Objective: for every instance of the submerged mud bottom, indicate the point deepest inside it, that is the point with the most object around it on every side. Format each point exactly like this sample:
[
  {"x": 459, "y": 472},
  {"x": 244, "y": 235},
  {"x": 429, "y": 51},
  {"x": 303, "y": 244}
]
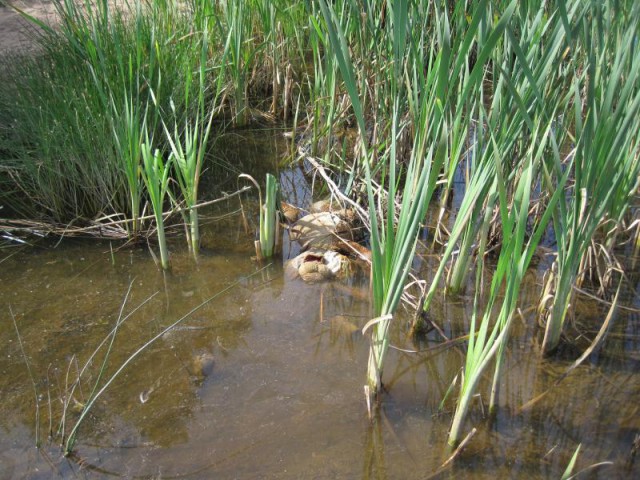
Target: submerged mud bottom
[
  {"x": 282, "y": 394},
  {"x": 266, "y": 380}
]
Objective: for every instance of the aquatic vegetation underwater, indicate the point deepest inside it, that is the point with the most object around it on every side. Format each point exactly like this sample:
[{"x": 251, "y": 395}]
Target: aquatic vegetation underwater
[{"x": 489, "y": 130}]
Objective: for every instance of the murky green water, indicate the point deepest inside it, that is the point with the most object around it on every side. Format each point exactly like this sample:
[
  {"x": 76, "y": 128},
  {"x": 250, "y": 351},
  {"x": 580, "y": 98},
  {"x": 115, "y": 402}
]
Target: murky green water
[{"x": 266, "y": 380}]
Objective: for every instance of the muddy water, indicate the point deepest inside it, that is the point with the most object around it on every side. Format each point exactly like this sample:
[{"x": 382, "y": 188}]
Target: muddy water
[{"x": 265, "y": 379}]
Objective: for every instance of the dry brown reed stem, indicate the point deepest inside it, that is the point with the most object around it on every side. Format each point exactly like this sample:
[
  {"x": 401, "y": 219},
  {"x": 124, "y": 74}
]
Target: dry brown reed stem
[
  {"x": 108, "y": 229},
  {"x": 460, "y": 448},
  {"x": 335, "y": 190},
  {"x": 453, "y": 456},
  {"x": 603, "y": 301}
]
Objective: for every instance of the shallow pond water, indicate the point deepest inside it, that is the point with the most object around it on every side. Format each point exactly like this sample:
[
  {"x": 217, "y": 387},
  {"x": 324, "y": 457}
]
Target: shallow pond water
[{"x": 265, "y": 380}]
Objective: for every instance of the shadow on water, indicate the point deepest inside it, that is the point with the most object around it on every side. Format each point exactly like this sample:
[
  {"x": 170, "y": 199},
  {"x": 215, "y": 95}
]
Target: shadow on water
[{"x": 266, "y": 381}]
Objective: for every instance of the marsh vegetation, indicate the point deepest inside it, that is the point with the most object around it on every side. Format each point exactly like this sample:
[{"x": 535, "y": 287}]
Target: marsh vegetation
[{"x": 479, "y": 143}]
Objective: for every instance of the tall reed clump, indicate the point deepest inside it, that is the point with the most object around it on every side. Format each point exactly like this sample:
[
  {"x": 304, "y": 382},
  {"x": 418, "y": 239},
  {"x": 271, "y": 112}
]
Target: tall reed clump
[
  {"x": 516, "y": 136},
  {"x": 189, "y": 143},
  {"x": 77, "y": 153},
  {"x": 418, "y": 100},
  {"x": 282, "y": 45},
  {"x": 156, "y": 180},
  {"x": 393, "y": 240},
  {"x": 128, "y": 125},
  {"x": 425, "y": 81},
  {"x": 323, "y": 105},
  {"x": 237, "y": 26},
  {"x": 512, "y": 264},
  {"x": 108, "y": 67},
  {"x": 502, "y": 126},
  {"x": 266, "y": 42},
  {"x": 538, "y": 95},
  {"x": 605, "y": 155},
  {"x": 519, "y": 242}
]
